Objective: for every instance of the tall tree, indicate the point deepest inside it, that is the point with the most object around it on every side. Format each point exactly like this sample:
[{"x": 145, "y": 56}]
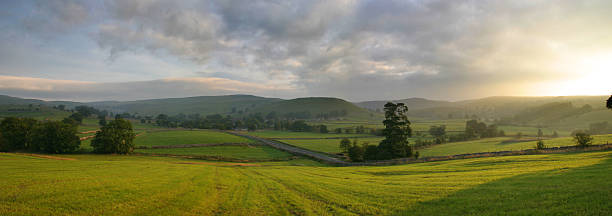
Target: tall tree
[
  {"x": 609, "y": 102},
  {"x": 116, "y": 136},
  {"x": 396, "y": 132}
]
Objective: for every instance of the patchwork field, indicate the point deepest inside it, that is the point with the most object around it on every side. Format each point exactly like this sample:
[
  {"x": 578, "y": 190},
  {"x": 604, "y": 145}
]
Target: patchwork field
[
  {"x": 501, "y": 144},
  {"x": 183, "y": 137},
  {"x": 555, "y": 184},
  {"x": 256, "y": 153},
  {"x": 288, "y": 134},
  {"x": 328, "y": 145}
]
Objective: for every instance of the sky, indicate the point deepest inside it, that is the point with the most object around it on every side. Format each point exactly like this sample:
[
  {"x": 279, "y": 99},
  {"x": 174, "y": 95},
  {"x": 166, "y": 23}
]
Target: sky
[{"x": 355, "y": 50}]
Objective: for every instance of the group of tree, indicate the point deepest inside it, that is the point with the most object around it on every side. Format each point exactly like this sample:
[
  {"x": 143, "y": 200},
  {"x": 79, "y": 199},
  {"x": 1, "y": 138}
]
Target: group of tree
[
  {"x": 116, "y": 137},
  {"x": 395, "y": 144},
  {"x": 26, "y": 134}
]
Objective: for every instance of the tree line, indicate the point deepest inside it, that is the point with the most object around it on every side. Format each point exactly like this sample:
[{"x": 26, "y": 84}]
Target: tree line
[{"x": 57, "y": 137}]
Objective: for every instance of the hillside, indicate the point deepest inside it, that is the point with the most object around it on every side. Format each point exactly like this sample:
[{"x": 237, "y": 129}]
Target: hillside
[
  {"x": 315, "y": 106},
  {"x": 204, "y": 105}
]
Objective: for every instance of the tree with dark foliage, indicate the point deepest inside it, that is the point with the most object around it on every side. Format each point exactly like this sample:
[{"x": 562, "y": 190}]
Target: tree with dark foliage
[
  {"x": 396, "y": 132},
  {"x": 583, "y": 139},
  {"x": 16, "y": 133},
  {"x": 609, "y": 102},
  {"x": 55, "y": 137},
  {"x": 116, "y": 136}
]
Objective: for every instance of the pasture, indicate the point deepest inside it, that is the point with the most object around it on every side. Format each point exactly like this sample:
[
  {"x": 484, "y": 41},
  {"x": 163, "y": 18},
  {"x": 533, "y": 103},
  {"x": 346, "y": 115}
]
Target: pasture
[
  {"x": 554, "y": 184},
  {"x": 289, "y": 134},
  {"x": 328, "y": 145},
  {"x": 250, "y": 153},
  {"x": 501, "y": 144},
  {"x": 183, "y": 137}
]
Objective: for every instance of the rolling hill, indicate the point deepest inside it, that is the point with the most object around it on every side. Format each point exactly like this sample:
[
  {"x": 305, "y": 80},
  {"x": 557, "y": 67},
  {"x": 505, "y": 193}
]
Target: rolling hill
[{"x": 207, "y": 105}]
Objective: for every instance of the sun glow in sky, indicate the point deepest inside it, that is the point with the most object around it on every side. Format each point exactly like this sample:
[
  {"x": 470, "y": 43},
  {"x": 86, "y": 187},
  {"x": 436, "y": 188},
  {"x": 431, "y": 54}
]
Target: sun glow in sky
[{"x": 356, "y": 50}]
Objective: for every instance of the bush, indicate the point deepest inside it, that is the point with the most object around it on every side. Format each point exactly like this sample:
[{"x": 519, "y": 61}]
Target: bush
[
  {"x": 583, "y": 139},
  {"x": 116, "y": 136},
  {"x": 540, "y": 145},
  {"x": 370, "y": 152},
  {"x": 345, "y": 145},
  {"x": 356, "y": 153},
  {"x": 55, "y": 137}
]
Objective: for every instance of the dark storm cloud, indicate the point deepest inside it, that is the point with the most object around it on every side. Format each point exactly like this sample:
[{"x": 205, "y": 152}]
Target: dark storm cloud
[{"x": 352, "y": 49}]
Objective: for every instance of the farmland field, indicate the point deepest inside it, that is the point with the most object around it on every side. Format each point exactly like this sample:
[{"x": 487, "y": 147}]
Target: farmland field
[
  {"x": 498, "y": 144},
  {"x": 558, "y": 184},
  {"x": 182, "y": 137},
  {"x": 288, "y": 134},
  {"x": 328, "y": 145},
  {"x": 229, "y": 152}
]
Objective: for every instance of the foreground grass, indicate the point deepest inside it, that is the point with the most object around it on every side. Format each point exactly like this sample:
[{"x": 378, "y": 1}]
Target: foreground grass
[
  {"x": 501, "y": 144},
  {"x": 182, "y": 137},
  {"x": 560, "y": 184},
  {"x": 230, "y": 152}
]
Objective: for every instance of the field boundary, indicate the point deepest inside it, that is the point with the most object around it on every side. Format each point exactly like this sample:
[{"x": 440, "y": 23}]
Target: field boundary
[
  {"x": 318, "y": 138},
  {"x": 197, "y": 145},
  {"x": 553, "y": 150}
]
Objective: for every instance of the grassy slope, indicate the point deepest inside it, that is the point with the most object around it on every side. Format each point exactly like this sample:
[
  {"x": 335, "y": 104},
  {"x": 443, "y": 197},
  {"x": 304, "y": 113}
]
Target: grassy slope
[
  {"x": 495, "y": 144},
  {"x": 560, "y": 184},
  {"x": 315, "y": 105},
  {"x": 164, "y": 138},
  {"x": 234, "y": 152}
]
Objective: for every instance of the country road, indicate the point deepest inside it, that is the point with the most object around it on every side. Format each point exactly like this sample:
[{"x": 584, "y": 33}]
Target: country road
[{"x": 292, "y": 149}]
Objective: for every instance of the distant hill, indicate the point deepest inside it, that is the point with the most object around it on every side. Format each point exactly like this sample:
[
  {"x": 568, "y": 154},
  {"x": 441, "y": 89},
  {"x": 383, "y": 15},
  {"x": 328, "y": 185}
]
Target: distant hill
[
  {"x": 204, "y": 105},
  {"x": 315, "y": 106},
  {"x": 227, "y": 105},
  {"x": 488, "y": 108}
]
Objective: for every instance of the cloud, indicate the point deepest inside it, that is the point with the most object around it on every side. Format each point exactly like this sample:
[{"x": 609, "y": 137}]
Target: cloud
[
  {"x": 170, "y": 87},
  {"x": 355, "y": 49}
]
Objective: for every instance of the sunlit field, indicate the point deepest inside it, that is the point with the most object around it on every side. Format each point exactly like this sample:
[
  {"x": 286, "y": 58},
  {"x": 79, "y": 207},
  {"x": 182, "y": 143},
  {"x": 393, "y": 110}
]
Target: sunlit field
[
  {"x": 184, "y": 137},
  {"x": 502, "y": 144},
  {"x": 250, "y": 153},
  {"x": 128, "y": 185}
]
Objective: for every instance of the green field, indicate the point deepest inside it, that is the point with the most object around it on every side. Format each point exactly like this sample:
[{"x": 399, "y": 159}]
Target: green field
[
  {"x": 497, "y": 144},
  {"x": 226, "y": 152},
  {"x": 182, "y": 137},
  {"x": 289, "y": 134},
  {"x": 554, "y": 184},
  {"x": 328, "y": 145}
]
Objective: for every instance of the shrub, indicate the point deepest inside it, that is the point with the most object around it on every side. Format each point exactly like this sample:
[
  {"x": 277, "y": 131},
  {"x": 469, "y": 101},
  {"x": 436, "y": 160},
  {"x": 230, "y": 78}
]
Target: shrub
[
  {"x": 370, "y": 152},
  {"x": 583, "y": 139},
  {"x": 116, "y": 136},
  {"x": 356, "y": 153},
  {"x": 540, "y": 145},
  {"x": 345, "y": 145}
]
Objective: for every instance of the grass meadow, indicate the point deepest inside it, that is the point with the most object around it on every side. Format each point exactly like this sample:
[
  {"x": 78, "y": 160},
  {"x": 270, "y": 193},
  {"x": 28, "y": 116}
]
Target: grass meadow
[
  {"x": 328, "y": 145},
  {"x": 501, "y": 144},
  {"x": 552, "y": 184},
  {"x": 182, "y": 137},
  {"x": 289, "y": 134},
  {"x": 255, "y": 153}
]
